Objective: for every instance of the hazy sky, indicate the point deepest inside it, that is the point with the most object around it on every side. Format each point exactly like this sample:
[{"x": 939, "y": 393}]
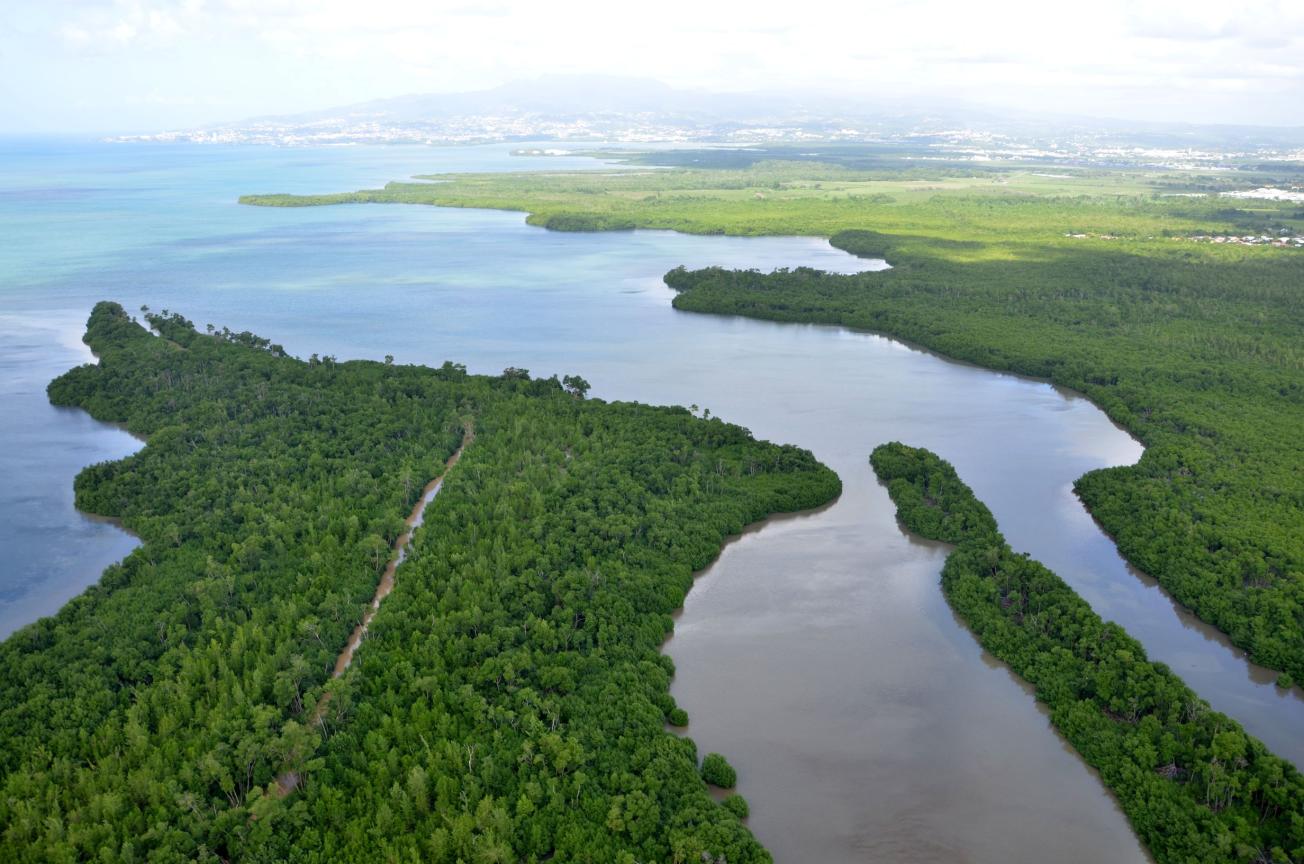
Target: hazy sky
[{"x": 110, "y": 65}]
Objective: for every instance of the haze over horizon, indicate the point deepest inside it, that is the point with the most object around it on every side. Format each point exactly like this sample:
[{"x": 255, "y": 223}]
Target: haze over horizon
[{"x": 102, "y": 66}]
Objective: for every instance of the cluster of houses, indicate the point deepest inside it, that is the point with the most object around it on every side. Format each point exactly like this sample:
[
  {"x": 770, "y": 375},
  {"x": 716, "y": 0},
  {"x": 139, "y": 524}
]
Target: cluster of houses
[
  {"x": 1269, "y": 193},
  {"x": 1284, "y": 241}
]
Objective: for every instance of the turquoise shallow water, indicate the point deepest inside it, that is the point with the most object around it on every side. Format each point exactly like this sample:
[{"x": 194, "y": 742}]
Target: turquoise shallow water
[
  {"x": 83, "y": 221},
  {"x": 818, "y": 652},
  {"x": 159, "y": 225}
]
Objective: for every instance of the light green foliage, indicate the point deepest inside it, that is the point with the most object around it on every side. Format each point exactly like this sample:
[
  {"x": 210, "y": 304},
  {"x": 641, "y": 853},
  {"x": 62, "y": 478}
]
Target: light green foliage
[
  {"x": 1008, "y": 208},
  {"x": 1195, "y": 786}
]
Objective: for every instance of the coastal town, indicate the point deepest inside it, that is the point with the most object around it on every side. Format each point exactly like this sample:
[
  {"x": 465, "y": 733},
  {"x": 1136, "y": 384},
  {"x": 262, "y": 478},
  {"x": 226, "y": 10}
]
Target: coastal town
[{"x": 1281, "y": 241}]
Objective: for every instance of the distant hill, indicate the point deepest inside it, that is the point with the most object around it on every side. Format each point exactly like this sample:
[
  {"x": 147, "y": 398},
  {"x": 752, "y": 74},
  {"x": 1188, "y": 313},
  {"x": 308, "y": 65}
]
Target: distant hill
[
  {"x": 613, "y": 108},
  {"x": 561, "y": 97}
]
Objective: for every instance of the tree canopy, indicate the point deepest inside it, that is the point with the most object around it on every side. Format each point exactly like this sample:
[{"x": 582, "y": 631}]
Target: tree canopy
[{"x": 510, "y": 700}]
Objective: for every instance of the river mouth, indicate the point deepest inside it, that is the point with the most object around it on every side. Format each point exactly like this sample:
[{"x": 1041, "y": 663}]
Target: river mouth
[
  {"x": 818, "y": 653},
  {"x": 864, "y": 720}
]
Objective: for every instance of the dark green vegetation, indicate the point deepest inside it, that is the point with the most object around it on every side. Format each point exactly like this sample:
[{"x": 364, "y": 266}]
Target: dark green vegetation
[
  {"x": 1201, "y": 359},
  {"x": 1195, "y": 787},
  {"x": 1195, "y": 348},
  {"x": 737, "y": 805},
  {"x": 509, "y": 702},
  {"x": 717, "y": 771}
]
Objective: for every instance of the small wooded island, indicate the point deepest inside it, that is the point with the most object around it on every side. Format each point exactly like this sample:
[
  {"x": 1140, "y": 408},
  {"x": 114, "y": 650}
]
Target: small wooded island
[{"x": 510, "y": 702}]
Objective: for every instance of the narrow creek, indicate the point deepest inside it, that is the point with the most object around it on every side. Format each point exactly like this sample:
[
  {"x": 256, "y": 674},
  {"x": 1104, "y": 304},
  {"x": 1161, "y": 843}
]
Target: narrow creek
[
  {"x": 401, "y": 546},
  {"x": 288, "y": 781}
]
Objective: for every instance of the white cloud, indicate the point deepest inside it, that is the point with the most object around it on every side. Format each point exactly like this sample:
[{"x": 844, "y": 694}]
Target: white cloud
[
  {"x": 1110, "y": 57},
  {"x": 124, "y": 24}
]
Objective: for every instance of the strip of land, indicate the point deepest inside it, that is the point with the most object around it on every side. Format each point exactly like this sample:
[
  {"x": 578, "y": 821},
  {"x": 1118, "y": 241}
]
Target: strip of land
[{"x": 1195, "y": 786}]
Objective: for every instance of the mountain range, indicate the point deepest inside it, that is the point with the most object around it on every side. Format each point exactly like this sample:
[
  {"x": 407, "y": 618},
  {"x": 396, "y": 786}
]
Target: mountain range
[{"x": 613, "y": 108}]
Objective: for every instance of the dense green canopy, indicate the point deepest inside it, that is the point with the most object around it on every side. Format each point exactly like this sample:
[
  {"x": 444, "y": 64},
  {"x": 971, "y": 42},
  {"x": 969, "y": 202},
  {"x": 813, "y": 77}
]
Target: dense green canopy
[{"x": 510, "y": 700}]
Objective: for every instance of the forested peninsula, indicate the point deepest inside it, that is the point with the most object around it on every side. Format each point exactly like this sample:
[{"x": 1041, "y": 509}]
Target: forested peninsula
[
  {"x": 1107, "y": 282},
  {"x": 1194, "y": 785},
  {"x": 510, "y": 701}
]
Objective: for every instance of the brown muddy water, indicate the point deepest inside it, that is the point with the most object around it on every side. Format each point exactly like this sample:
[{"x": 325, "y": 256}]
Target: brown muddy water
[{"x": 866, "y": 723}]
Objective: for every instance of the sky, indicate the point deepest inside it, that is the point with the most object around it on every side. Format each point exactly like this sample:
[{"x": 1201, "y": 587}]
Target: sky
[{"x": 149, "y": 65}]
